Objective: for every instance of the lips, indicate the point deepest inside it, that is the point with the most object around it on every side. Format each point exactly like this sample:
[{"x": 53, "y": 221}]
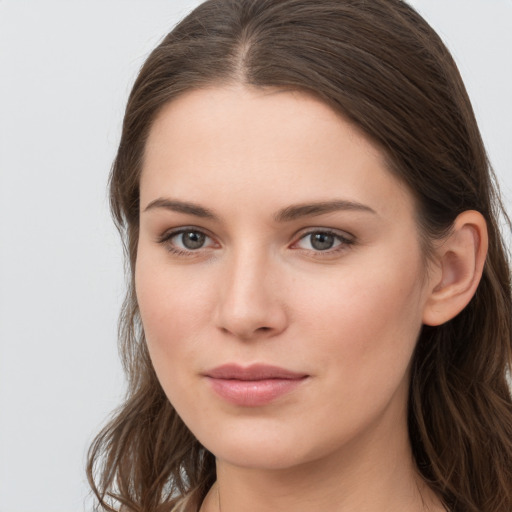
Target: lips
[{"x": 253, "y": 386}]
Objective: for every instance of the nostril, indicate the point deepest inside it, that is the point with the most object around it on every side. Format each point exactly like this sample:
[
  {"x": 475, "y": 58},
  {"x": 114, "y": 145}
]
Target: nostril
[{"x": 245, "y": 320}]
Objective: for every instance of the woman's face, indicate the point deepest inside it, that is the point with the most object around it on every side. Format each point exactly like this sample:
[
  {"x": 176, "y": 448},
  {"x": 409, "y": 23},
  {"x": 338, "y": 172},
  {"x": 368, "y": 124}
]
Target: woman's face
[{"x": 279, "y": 277}]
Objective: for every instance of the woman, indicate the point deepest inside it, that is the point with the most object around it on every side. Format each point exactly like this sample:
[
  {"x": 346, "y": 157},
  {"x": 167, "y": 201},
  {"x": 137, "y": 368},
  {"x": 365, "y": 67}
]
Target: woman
[{"x": 319, "y": 307}]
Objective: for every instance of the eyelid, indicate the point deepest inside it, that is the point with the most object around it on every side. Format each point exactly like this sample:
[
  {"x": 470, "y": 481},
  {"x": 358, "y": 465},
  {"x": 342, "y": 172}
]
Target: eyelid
[
  {"x": 346, "y": 239},
  {"x": 168, "y": 235}
]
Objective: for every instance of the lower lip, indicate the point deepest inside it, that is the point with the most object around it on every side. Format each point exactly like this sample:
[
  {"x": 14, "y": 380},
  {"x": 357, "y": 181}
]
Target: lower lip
[{"x": 253, "y": 393}]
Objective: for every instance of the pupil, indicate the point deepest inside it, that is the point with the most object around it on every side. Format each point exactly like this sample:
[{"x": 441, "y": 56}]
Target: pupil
[
  {"x": 322, "y": 241},
  {"x": 193, "y": 239}
]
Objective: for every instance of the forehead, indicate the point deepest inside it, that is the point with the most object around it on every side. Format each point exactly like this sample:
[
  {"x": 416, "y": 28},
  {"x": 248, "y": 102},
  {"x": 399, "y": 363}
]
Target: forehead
[{"x": 241, "y": 142}]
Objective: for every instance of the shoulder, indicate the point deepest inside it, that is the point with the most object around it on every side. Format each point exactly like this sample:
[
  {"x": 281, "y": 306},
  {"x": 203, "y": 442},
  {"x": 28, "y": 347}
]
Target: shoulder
[{"x": 187, "y": 503}]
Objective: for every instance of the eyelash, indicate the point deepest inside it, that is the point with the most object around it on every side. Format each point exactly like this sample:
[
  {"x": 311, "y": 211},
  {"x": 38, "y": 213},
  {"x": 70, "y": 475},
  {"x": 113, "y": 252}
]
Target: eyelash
[
  {"x": 166, "y": 238},
  {"x": 344, "y": 242}
]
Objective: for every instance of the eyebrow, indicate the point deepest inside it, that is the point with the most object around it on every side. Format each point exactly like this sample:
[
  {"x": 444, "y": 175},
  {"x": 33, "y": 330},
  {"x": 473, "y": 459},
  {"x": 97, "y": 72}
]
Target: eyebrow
[
  {"x": 181, "y": 207},
  {"x": 312, "y": 209},
  {"x": 287, "y": 214}
]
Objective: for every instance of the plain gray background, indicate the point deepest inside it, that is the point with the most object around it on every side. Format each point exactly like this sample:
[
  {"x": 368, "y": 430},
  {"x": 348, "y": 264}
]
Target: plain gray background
[{"x": 66, "y": 68}]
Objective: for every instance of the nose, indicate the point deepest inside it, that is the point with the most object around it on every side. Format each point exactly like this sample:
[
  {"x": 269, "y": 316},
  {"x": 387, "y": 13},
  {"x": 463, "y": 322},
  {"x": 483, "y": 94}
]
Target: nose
[{"x": 250, "y": 303}]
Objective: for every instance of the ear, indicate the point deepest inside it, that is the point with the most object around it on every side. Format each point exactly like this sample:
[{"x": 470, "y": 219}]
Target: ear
[{"x": 459, "y": 259}]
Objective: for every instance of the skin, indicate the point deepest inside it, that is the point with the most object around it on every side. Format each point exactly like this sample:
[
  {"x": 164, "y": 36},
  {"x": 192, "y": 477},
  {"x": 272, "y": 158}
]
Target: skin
[{"x": 258, "y": 291}]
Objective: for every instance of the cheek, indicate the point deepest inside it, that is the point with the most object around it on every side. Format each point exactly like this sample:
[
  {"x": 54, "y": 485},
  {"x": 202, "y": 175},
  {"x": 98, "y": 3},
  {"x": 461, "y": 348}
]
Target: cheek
[
  {"x": 362, "y": 318},
  {"x": 172, "y": 311},
  {"x": 174, "y": 308},
  {"x": 366, "y": 323}
]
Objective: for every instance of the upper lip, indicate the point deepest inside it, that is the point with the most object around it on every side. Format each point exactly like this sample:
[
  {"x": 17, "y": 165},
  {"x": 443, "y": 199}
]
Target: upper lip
[{"x": 252, "y": 372}]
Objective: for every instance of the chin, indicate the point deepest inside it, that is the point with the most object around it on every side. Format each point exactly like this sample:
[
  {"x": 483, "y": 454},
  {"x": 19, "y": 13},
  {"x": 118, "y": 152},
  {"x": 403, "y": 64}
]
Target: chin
[
  {"x": 264, "y": 445},
  {"x": 261, "y": 457},
  {"x": 248, "y": 443}
]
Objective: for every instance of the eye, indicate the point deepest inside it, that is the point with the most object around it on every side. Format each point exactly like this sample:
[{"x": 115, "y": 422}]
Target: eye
[
  {"x": 189, "y": 240},
  {"x": 186, "y": 240},
  {"x": 323, "y": 241}
]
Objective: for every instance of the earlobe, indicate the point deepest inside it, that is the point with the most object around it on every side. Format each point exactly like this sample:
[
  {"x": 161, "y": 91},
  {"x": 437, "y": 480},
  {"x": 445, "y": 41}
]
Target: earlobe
[{"x": 460, "y": 259}]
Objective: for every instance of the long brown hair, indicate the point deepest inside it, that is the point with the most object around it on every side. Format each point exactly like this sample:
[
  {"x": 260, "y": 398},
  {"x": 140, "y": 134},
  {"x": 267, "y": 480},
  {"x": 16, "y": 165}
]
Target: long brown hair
[{"x": 380, "y": 65}]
